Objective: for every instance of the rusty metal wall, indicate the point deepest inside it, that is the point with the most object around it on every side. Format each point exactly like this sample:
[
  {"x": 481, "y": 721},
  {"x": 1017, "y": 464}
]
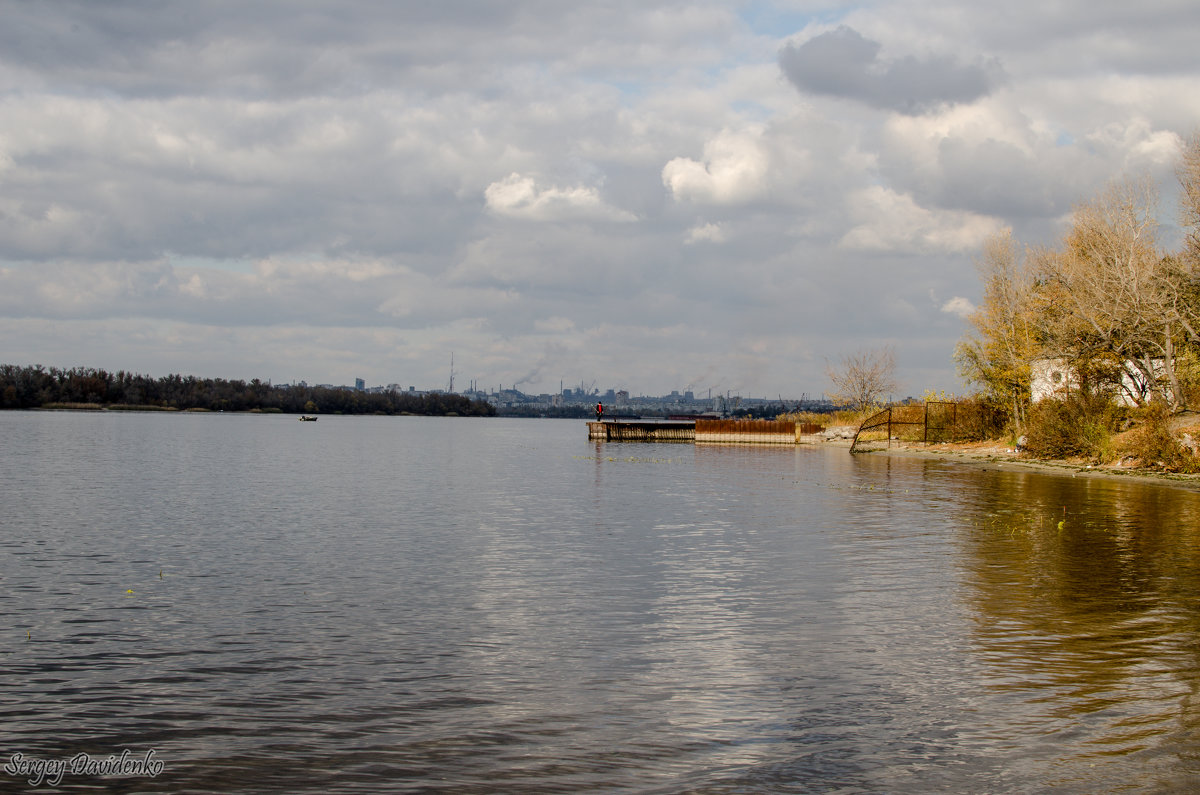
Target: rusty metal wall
[
  {"x": 745, "y": 426},
  {"x": 746, "y": 431}
]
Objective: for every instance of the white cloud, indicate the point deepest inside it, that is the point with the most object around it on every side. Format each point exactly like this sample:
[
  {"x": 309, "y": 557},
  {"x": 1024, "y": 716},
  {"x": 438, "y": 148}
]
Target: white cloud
[
  {"x": 555, "y": 325},
  {"x": 516, "y": 196},
  {"x": 1028, "y": 156},
  {"x": 706, "y": 233},
  {"x": 734, "y": 169},
  {"x": 342, "y": 172},
  {"x": 1143, "y": 146},
  {"x": 959, "y": 306},
  {"x": 887, "y": 221}
]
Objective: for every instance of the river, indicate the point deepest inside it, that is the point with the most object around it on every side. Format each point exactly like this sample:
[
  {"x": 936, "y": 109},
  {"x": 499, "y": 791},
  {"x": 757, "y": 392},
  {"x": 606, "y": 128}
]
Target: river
[{"x": 406, "y": 604}]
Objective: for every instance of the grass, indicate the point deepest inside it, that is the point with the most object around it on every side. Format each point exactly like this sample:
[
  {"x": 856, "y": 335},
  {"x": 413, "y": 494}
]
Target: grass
[{"x": 826, "y": 419}]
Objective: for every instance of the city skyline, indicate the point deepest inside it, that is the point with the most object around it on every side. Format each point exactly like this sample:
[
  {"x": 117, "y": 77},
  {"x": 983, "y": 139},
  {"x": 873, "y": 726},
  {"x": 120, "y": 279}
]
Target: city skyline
[
  {"x": 655, "y": 196},
  {"x": 575, "y": 392}
]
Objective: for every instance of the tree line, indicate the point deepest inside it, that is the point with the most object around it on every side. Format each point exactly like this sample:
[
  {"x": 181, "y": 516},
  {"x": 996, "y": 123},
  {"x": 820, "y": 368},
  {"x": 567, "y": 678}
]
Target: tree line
[
  {"x": 26, "y": 387},
  {"x": 1120, "y": 314}
]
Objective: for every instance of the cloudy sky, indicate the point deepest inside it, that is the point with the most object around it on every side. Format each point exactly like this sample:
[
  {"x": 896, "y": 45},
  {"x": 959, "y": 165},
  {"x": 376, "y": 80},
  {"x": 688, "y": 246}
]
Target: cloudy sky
[{"x": 644, "y": 195}]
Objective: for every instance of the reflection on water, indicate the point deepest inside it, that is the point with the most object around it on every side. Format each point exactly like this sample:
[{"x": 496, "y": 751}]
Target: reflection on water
[
  {"x": 1087, "y": 613},
  {"x": 405, "y": 604}
]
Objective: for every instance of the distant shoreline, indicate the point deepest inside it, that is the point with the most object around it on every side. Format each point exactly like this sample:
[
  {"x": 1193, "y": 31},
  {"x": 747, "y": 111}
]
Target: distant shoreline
[
  {"x": 96, "y": 408},
  {"x": 90, "y": 389}
]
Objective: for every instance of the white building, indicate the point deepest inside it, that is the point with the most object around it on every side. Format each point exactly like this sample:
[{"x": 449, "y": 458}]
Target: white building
[{"x": 1055, "y": 378}]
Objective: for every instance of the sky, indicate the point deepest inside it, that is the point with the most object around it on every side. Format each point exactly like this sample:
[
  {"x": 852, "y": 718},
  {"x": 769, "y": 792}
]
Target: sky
[{"x": 639, "y": 195}]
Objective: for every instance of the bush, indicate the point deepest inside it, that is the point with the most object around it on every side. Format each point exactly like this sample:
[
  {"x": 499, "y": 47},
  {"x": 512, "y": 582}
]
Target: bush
[
  {"x": 979, "y": 418},
  {"x": 825, "y": 419},
  {"x": 908, "y": 423},
  {"x": 1081, "y": 426},
  {"x": 1187, "y": 368},
  {"x": 1154, "y": 444}
]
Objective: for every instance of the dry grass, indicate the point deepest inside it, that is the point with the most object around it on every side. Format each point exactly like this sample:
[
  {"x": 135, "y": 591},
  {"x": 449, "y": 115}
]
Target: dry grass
[
  {"x": 826, "y": 419},
  {"x": 1157, "y": 441}
]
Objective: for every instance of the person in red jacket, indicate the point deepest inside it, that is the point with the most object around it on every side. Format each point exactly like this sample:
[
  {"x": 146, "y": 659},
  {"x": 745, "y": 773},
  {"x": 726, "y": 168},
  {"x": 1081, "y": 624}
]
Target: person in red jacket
[{"x": 599, "y": 412}]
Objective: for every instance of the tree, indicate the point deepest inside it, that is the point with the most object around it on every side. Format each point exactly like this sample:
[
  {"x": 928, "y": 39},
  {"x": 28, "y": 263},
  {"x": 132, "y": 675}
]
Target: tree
[
  {"x": 1120, "y": 311},
  {"x": 1189, "y": 202},
  {"x": 862, "y": 378},
  {"x": 1110, "y": 300},
  {"x": 999, "y": 352}
]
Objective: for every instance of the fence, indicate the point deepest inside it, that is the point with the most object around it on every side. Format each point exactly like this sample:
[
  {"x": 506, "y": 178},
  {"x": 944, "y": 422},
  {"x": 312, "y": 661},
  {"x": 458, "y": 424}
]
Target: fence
[
  {"x": 936, "y": 422},
  {"x": 746, "y": 431}
]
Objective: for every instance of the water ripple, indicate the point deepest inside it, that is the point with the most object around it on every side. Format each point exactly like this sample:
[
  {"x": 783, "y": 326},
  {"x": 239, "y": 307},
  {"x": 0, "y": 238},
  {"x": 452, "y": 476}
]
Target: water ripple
[{"x": 402, "y": 604}]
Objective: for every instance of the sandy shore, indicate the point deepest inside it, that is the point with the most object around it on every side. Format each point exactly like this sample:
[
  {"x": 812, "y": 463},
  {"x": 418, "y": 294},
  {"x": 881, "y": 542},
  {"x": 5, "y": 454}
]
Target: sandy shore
[{"x": 991, "y": 454}]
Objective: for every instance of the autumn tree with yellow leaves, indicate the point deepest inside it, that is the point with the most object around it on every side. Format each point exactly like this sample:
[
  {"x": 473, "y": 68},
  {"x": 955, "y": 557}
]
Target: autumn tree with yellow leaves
[
  {"x": 1107, "y": 300},
  {"x": 1111, "y": 302},
  {"x": 998, "y": 352}
]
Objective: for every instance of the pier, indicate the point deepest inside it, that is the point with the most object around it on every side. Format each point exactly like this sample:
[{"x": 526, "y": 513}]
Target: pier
[
  {"x": 642, "y": 431},
  {"x": 702, "y": 431}
]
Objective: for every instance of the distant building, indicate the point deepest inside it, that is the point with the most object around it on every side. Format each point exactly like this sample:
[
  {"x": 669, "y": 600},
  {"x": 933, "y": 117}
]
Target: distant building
[{"x": 359, "y": 384}]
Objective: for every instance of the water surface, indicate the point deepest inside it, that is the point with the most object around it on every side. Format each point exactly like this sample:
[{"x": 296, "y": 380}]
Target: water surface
[{"x": 372, "y": 604}]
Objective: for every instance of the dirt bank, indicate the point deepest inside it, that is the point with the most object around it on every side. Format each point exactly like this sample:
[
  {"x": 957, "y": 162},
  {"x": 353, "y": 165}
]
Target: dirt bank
[{"x": 993, "y": 453}]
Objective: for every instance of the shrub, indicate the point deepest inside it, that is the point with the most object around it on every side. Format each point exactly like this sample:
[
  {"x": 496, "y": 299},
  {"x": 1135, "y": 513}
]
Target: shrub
[
  {"x": 1154, "y": 444},
  {"x": 908, "y": 423},
  {"x": 979, "y": 418},
  {"x": 1187, "y": 368},
  {"x": 1079, "y": 427}
]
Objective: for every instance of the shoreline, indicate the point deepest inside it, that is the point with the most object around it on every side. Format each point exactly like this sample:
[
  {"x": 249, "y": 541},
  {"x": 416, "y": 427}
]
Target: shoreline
[
  {"x": 979, "y": 454},
  {"x": 986, "y": 455}
]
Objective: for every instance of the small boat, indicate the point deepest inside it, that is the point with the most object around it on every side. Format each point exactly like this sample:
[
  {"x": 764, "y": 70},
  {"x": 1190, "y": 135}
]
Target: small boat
[{"x": 306, "y": 418}]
